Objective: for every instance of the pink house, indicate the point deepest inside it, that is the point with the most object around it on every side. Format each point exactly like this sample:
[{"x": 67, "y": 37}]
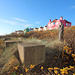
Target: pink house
[{"x": 55, "y": 23}]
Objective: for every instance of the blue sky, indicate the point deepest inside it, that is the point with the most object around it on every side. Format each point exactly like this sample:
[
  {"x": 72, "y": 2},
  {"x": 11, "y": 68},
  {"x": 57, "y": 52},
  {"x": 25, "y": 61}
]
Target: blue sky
[{"x": 19, "y": 14}]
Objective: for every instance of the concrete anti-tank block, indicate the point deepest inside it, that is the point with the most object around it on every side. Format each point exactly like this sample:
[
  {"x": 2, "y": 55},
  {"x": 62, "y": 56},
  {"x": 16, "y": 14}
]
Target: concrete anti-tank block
[{"x": 31, "y": 53}]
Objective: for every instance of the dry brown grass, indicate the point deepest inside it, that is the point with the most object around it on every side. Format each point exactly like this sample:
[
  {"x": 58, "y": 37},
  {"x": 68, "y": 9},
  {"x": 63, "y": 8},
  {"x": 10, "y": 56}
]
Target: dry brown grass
[
  {"x": 7, "y": 54},
  {"x": 51, "y": 35},
  {"x": 49, "y": 39},
  {"x": 69, "y": 36}
]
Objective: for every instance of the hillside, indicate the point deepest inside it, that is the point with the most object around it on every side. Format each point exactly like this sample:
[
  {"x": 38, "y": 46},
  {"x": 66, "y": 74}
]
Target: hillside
[
  {"x": 56, "y": 55},
  {"x": 50, "y": 35}
]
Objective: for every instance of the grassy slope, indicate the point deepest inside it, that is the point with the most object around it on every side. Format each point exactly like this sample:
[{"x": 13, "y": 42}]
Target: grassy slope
[
  {"x": 48, "y": 38},
  {"x": 7, "y": 54},
  {"x": 51, "y": 35}
]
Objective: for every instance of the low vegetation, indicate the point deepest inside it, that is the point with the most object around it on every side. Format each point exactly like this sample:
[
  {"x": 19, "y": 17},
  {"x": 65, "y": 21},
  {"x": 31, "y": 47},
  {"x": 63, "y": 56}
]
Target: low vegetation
[{"x": 60, "y": 56}]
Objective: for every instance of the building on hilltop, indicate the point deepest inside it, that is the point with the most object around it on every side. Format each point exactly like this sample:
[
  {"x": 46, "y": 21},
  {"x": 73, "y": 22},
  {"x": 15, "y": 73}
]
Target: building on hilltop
[
  {"x": 40, "y": 28},
  {"x": 31, "y": 29},
  {"x": 55, "y": 23},
  {"x": 45, "y": 28},
  {"x": 35, "y": 29},
  {"x": 19, "y": 32}
]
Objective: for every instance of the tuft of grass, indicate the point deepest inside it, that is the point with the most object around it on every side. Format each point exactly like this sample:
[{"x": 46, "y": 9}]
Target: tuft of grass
[
  {"x": 12, "y": 62},
  {"x": 35, "y": 40},
  {"x": 54, "y": 48},
  {"x": 56, "y": 44},
  {"x": 7, "y": 54}
]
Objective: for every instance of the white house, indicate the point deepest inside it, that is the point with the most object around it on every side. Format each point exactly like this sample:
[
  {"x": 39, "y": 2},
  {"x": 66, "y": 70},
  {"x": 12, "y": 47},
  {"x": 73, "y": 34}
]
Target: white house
[
  {"x": 35, "y": 29},
  {"x": 44, "y": 28},
  {"x": 40, "y": 28},
  {"x": 19, "y": 31}
]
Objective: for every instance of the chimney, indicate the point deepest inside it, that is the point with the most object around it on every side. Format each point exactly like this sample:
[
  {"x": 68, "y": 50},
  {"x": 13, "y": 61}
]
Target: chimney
[
  {"x": 61, "y": 18},
  {"x": 50, "y": 20}
]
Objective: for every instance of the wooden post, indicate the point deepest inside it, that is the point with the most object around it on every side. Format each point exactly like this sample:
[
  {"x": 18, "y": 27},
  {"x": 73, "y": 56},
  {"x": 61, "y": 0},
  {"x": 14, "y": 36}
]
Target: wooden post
[{"x": 61, "y": 32}]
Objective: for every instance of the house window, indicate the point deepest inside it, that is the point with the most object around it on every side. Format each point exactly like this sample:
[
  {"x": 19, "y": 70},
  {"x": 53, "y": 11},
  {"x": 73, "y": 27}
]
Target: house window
[
  {"x": 48, "y": 24},
  {"x": 53, "y": 23},
  {"x": 66, "y": 23},
  {"x": 69, "y": 24},
  {"x": 56, "y": 23}
]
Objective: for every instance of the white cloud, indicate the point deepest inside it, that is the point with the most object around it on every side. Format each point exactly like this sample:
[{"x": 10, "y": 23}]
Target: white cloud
[
  {"x": 37, "y": 22},
  {"x": 18, "y": 19},
  {"x": 14, "y": 23},
  {"x": 26, "y": 25},
  {"x": 73, "y": 6},
  {"x": 8, "y": 22}
]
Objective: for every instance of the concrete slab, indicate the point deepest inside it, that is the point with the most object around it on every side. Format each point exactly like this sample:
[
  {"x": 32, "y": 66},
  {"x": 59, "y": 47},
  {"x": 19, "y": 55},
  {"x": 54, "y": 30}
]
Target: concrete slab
[
  {"x": 10, "y": 42},
  {"x": 31, "y": 53}
]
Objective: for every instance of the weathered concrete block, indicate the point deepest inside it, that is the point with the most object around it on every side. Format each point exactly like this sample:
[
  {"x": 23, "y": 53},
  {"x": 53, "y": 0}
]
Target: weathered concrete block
[
  {"x": 10, "y": 42},
  {"x": 31, "y": 53}
]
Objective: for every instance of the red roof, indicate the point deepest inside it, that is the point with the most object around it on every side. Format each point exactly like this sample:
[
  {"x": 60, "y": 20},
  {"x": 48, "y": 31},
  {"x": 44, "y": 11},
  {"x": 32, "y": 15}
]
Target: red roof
[
  {"x": 45, "y": 26},
  {"x": 54, "y": 20},
  {"x": 36, "y": 28},
  {"x": 41, "y": 27},
  {"x": 66, "y": 21}
]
